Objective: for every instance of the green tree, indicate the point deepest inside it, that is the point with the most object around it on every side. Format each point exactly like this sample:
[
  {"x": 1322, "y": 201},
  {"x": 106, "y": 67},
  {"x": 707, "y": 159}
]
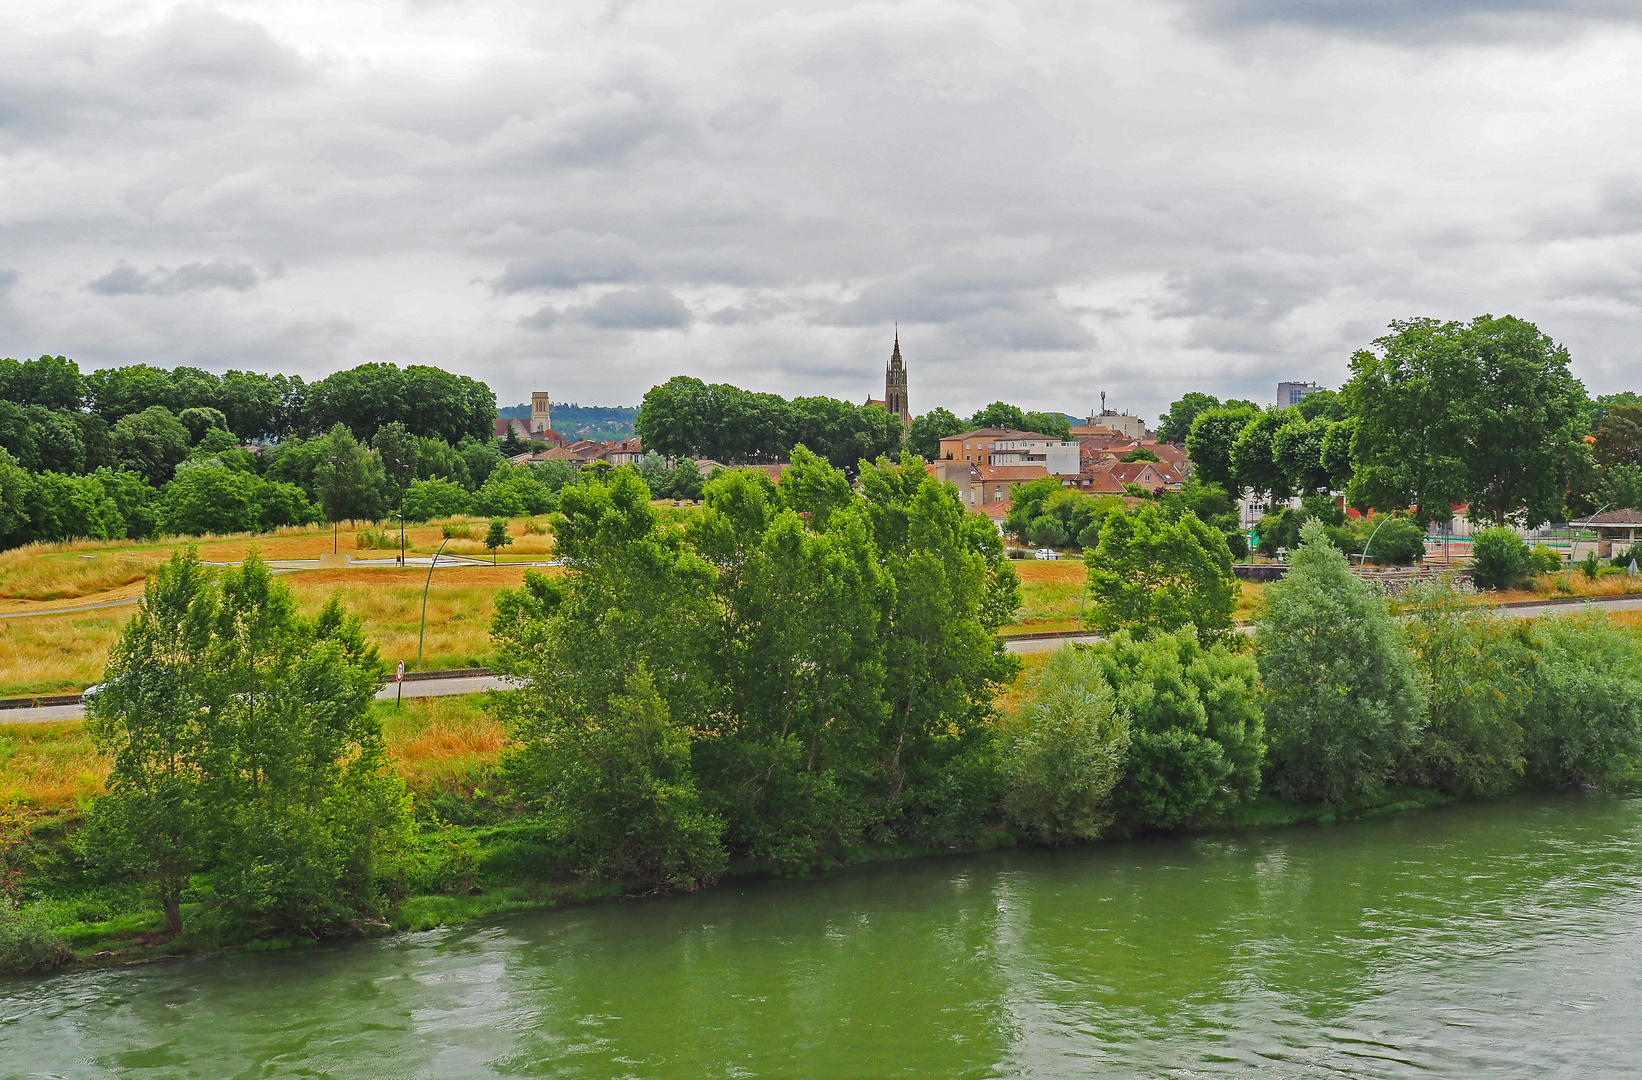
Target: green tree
[
  {"x": 151, "y": 443},
  {"x": 399, "y": 452},
  {"x": 1475, "y": 670},
  {"x": 926, "y": 432},
  {"x": 1000, "y": 414},
  {"x": 305, "y": 807},
  {"x": 149, "y": 718},
  {"x": 1583, "y": 721},
  {"x": 1344, "y": 702},
  {"x": 1499, "y": 559},
  {"x": 599, "y": 746},
  {"x": 15, "y": 488},
  {"x": 114, "y": 393},
  {"x": 1148, "y": 573},
  {"x": 1483, "y": 413},
  {"x": 201, "y": 419},
  {"x": 1298, "y": 455},
  {"x": 52, "y": 382},
  {"x": 347, "y": 478},
  {"x": 1176, "y": 424},
  {"x": 1619, "y": 437},
  {"x": 480, "y": 458},
  {"x": 428, "y": 500},
  {"x": 1254, "y": 459},
  {"x": 1065, "y": 752},
  {"x": 70, "y": 508},
  {"x": 1214, "y": 433},
  {"x": 496, "y": 537},
  {"x": 1197, "y": 739}
]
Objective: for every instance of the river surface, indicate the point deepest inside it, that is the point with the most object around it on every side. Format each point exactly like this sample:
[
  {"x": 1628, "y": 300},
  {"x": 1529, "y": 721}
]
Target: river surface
[{"x": 1496, "y": 939}]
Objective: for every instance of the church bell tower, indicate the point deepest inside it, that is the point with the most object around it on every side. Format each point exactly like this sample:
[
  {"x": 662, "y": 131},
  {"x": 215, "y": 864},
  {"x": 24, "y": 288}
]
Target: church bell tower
[{"x": 895, "y": 384}]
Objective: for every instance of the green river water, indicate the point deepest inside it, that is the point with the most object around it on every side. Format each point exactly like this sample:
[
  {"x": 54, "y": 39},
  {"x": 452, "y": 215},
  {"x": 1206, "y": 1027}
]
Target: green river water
[{"x": 1493, "y": 939}]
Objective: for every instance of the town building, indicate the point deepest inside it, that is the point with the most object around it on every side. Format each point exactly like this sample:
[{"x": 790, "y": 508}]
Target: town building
[
  {"x": 1292, "y": 393},
  {"x": 1006, "y": 446}
]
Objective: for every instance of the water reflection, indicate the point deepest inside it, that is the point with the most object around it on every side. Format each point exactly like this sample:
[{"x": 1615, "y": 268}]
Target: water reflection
[{"x": 1498, "y": 938}]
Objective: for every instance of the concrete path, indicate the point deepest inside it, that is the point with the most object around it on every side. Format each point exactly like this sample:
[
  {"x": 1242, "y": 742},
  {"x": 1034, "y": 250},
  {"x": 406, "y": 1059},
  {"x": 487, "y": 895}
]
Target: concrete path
[{"x": 419, "y": 688}]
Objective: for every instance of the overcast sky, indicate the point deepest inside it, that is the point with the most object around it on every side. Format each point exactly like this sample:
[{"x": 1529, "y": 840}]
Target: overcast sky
[{"x": 1053, "y": 199}]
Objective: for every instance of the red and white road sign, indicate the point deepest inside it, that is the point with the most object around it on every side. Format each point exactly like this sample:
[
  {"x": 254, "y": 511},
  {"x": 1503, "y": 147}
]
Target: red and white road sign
[{"x": 399, "y": 676}]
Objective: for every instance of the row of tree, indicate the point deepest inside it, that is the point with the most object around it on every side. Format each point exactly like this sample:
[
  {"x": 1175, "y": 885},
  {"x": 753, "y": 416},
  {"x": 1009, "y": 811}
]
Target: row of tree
[
  {"x": 1483, "y": 415},
  {"x": 51, "y": 391},
  {"x": 687, "y": 418},
  {"x": 1171, "y": 723}
]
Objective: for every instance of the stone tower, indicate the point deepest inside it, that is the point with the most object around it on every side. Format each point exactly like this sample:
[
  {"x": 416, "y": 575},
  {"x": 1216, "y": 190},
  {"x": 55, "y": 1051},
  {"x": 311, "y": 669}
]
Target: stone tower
[
  {"x": 895, "y": 384},
  {"x": 541, "y": 412}
]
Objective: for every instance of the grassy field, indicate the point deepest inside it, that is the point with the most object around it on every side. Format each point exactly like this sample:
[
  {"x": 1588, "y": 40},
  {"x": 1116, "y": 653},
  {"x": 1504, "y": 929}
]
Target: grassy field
[
  {"x": 58, "y": 654},
  {"x": 433, "y": 743},
  {"x": 1052, "y": 591}
]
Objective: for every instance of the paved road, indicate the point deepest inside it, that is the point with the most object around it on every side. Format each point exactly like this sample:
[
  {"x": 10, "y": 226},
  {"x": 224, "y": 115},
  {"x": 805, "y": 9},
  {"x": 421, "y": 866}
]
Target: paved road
[{"x": 447, "y": 687}]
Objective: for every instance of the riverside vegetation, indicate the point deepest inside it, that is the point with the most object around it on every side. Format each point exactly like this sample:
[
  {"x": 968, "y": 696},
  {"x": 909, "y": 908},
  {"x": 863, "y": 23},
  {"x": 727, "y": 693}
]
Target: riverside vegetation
[{"x": 801, "y": 674}]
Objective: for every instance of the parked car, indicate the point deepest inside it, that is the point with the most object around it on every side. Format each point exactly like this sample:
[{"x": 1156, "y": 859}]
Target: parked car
[{"x": 1046, "y": 554}]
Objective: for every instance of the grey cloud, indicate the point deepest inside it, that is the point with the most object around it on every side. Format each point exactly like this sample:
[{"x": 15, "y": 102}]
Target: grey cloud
[
  {"x": 127, "y": 280},
  {"x": 1049, "y": 198},
  {"x": 570, "y": 258},
  {"x": 196, "y": 62},
  {"x": 962, "y": 289},
  {"x": 649, "y": 308},
  {"x": 8, "y": 278},
  {"x": 1398, "y": 17}
]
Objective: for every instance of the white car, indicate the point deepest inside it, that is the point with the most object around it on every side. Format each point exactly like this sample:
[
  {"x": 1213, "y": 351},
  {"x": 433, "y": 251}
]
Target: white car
[{"x": 1046, "y": 554}]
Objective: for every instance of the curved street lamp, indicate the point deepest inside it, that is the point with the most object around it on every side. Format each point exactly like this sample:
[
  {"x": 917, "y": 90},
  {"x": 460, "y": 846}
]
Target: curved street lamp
[{"x": 423, "y": 631}]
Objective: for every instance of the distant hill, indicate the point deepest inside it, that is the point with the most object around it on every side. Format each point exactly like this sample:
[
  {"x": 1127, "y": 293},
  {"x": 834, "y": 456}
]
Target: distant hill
[{"x": 605, "y": 423}]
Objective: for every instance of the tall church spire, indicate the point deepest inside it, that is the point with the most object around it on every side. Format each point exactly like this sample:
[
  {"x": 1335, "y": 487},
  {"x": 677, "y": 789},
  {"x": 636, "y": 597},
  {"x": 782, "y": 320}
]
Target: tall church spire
[{"x": 895, "y": 383}]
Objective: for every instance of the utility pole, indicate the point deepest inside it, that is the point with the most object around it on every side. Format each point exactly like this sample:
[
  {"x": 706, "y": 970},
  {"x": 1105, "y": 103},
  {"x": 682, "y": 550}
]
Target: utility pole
[
  {"x": 336, "y": 518},
  {"x": 420, "y": 634}
]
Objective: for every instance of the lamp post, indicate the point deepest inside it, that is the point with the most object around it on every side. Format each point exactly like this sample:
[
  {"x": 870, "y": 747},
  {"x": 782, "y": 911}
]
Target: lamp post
[
  {"x": 336, "y": 519},
  {"x": 423, "y": 631},
  {"x": 399, "y": 468}
]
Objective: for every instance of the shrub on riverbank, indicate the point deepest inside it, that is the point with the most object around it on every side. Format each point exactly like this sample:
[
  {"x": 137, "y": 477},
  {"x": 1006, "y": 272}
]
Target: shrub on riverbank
[
  {"x": 1065, "y": 751},
  {"x": 1343, "y": 697}
]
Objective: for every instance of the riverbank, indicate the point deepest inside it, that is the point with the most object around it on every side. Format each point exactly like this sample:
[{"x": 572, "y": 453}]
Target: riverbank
[{"x": 498, "y": 888}]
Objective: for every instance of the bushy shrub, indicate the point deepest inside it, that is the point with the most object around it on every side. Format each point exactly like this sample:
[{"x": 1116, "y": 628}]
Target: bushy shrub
[
  {"x": 426, "y": 500},
  {"x": 1476, "y": 671},
  {"x": 27, "y": 941},
  {"x": 1591, "y": 566},
  {"x": 1583, "y": 722},
  {"x": 1197, "y": 740},
  {"x": 1148, "y": 573},
  {"x": 1544, "y": 560},
  {"x": 1064, "y": 754},
  {"x": 1343, "y": 698},
  {"x": 1398, "y": 542},
  {"x": 1499, "y": 559}
]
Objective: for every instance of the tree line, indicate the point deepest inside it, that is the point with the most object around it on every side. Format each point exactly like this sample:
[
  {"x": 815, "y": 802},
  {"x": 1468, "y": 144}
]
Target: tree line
[
  {"x": 687, "y": 418},
  {"x": 796, "y": 670},
  {"x": 136, "y": 451},
  {"x": 1483, "y": 415}
]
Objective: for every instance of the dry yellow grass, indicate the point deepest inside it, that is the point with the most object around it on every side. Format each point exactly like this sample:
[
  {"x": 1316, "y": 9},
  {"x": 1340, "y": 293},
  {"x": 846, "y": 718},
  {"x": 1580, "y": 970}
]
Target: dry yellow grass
[
  {"x": 1010, "y": 699},
  {"x": 41, "y": 572},
  {"x": 432, "y": 742},
  {"x": 59, "y": 654},
  {"x": 441, "y": 742},
  {"x": 49, "y": 766},
  {"x": 1565, "y": 584}
]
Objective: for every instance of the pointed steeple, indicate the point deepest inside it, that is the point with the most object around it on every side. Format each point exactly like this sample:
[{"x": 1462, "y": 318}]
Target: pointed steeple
[{"x": 895, "y": 382}]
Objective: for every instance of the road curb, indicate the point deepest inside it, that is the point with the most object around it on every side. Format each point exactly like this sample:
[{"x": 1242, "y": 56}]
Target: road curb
[{"x": 78, "y": 699}]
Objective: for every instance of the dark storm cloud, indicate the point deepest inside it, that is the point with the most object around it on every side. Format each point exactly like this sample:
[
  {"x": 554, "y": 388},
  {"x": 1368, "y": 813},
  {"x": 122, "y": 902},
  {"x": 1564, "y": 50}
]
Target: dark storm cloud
[{"x": 127, "y": 280}]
